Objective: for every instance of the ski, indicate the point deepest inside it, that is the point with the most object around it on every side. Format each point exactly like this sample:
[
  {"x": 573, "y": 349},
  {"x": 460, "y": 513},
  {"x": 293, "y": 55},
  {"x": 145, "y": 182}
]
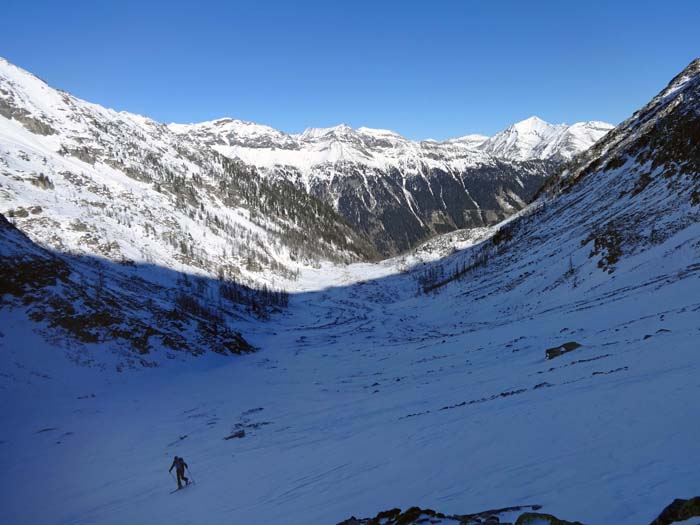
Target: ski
[{"x": 182, "y": 488}]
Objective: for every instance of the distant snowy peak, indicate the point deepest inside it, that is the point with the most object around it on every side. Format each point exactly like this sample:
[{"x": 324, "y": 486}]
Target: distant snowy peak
[
  {"x": 340, "y": 131},
  {"x": 534, "y": 138},
  {"x": 265, "y": 146},
  {"x": 315, "y": 148},
  {"x": 472, "y": 140},
  {"x": 233, "y": 132}
]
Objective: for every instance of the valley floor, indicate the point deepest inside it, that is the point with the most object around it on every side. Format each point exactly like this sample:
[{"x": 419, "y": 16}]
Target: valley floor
[{"x": 364, "y": 397}]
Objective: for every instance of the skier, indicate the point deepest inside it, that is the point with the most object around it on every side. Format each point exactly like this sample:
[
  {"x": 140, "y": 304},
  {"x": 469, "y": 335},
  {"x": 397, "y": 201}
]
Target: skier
[{"x": 179, "y": 465}]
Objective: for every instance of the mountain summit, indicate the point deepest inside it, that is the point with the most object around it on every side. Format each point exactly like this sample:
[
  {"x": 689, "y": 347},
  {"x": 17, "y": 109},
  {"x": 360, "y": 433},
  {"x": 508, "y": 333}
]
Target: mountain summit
[
  {"x": 264, "y": 146},
  {"x": 534, "y": 138}
]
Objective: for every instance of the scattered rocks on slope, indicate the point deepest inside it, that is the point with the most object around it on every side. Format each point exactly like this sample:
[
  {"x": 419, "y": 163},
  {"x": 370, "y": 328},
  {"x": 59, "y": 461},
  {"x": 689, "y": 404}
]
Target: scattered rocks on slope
[
  {"x": 416, "y": 515},
  {"x": 556, "y": 351},
  {"x": 238, "y": 434},
  {"x": 678, "y": 511}
]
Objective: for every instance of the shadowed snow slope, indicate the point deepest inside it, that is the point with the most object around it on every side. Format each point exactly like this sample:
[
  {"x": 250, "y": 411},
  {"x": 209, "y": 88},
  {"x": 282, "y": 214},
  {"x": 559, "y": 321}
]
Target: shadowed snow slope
[{"x": 368, "y": 394}]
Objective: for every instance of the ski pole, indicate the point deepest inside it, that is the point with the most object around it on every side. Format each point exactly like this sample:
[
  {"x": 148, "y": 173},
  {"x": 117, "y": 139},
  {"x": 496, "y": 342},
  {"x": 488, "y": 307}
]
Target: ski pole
[
  {"x": 189, "y": 471},
  {"x": 171, "y": 475}
]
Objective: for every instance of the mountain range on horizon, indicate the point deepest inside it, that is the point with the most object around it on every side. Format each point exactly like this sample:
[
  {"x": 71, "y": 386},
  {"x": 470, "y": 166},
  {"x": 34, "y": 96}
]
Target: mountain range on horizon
[
  {"x": 394, "y": 192},
  {"x": 528, "y": 139}
]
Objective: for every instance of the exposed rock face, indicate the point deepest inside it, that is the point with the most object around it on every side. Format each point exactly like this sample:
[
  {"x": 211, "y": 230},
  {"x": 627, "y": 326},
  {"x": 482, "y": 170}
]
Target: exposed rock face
[
  {"x": 679, "y": 510},
  {"x": 100, "y": 305},
  {"x": 11, "y": 111},
  {"x": 398, "y": 211}
]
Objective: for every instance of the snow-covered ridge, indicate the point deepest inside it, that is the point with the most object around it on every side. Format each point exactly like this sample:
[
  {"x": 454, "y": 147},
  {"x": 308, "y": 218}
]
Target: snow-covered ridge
[
  {"x": 659, "y": 134},
  {"x": 394, "y": 191},
  {"x": 267, "y": 147},
  {"x": 533, "y": 138},
  {"x": 398, "y": 191}
]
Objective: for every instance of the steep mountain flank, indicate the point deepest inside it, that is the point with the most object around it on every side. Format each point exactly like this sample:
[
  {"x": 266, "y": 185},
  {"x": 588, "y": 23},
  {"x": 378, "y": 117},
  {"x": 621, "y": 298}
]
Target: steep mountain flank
[
  {"x": 124, "y": 187},
  {"x": 397, "y": 191},
  {"x": 100, "y": 312}
]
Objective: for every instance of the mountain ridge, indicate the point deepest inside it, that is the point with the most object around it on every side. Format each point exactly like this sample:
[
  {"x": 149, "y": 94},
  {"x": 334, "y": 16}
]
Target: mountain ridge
[
  {"x": 394, "y": 193},
  {"x": 229, "y": 131},
  {"x": 123, "y": 186}
]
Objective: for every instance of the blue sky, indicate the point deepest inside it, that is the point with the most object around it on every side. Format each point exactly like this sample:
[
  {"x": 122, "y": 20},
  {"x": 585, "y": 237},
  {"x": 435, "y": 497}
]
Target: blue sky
[{"x": 424, "y": 69}]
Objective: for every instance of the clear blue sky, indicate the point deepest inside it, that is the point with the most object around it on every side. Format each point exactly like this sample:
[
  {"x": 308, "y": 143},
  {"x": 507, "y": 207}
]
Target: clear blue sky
[{"x": 424, "y": 69}]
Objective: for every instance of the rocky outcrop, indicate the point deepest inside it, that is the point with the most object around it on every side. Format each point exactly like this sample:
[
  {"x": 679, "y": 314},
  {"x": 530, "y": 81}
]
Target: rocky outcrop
[
  {"x": 556, "y": 351},
  {"x": 398, "y": 212},
  {"x": 24, "y": 268},
  {"x": 679, "y": 510},
  {"x": 35, "y": 125},
  {"x": 84, "y": 301},
  {"x": 416, "y": 515},
  {"x": 537, "y": 518}
]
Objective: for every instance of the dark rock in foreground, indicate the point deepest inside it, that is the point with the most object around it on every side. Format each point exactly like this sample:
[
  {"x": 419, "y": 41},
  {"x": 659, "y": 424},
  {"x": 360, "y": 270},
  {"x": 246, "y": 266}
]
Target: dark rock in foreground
[
  {"x": 416, "y": 515},
  {"x": 679, "y": 510},
  {"x": 535, "y": 518}
]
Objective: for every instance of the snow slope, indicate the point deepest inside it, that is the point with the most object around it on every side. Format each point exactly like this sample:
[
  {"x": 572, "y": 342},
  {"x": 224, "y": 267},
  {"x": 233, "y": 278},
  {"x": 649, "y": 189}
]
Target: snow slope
[
  {"x": 353, "y": 387},
  {"x": 368, "y": 393}
]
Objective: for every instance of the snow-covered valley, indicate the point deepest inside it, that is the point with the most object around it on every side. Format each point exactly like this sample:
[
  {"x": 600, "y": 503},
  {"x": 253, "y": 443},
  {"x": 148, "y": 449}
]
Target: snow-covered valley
[
  {"x": 549, "y": 360},
  {"x": 365, "y": 397}
]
